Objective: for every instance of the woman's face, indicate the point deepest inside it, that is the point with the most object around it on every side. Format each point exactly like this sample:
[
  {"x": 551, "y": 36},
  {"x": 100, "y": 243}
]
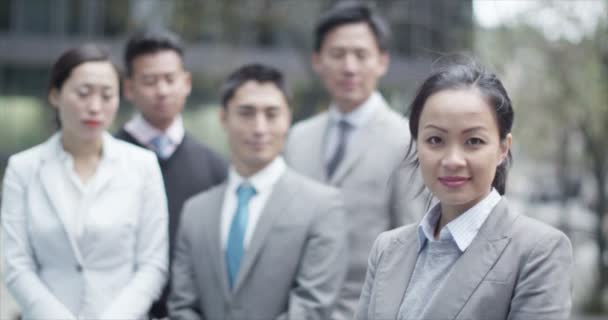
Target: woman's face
[
  {"x": 87, "y": 101},
  {"x": 459, "y": 147}
]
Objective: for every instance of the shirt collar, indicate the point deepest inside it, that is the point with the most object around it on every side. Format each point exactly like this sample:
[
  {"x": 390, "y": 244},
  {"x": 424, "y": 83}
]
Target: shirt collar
[
  {"x": 461, "y": 230},
  {"x": 108, "y": 148},
  {"x": 263, "y": 180},
  {"x": 359, "y": 116},
  {"x": 144, "y": 132}
]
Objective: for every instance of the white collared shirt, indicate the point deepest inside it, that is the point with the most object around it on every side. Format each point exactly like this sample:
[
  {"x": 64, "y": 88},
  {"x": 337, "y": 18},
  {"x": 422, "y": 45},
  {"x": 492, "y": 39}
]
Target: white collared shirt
[
  {"x": 461, "y": 230},
  {"x": 357, "y": 118},
  {"x": 80, "y": 197},
  {"x": 144, "y": 132},
  {"x": 263, "y": 182}
]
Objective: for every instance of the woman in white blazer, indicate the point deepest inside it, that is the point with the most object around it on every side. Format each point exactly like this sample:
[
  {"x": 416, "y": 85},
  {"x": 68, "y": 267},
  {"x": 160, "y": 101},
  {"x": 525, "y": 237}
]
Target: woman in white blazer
[
  {"x": 471, "y": 256},
  {"x": 84, "y": 216}
]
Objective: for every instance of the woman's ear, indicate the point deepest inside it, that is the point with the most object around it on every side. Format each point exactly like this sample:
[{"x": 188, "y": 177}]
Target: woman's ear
[
  {"x": 54, "y": 98},
  {"x": 505, "y": 146}
]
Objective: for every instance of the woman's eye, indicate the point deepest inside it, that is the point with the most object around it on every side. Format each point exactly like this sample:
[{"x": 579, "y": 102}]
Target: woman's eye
[
  {"x": 474, "y": 141},
  {"x": 433, "y": 140},
  {"x": 82, "y": 93}
]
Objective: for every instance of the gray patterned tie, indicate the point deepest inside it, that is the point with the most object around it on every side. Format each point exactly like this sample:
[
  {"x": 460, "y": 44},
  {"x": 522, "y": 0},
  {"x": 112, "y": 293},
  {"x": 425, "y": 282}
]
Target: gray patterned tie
[{"x": 343, "y": 131}]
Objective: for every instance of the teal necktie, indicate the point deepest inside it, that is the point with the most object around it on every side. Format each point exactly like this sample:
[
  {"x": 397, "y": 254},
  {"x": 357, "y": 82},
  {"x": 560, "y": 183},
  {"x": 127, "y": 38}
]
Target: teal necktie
[{"x": 236, "y": 236}]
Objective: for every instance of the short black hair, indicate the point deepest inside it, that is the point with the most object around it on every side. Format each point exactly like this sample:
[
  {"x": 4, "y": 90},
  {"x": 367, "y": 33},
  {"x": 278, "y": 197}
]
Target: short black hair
[
  {"x": 253, "y": 72},
  {"x": 348, "y": 12},
  {"x": 151, "y": 41}
]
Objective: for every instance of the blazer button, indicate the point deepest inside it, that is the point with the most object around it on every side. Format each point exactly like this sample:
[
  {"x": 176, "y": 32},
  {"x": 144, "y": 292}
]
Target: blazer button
[{"x": 78, "y": 268}]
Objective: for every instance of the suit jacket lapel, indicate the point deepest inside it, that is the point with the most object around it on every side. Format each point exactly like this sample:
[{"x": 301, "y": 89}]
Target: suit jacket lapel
[
  {"x": 279, "y": 198},
  {"x": 359, "y": 142},
  {"x": 312, "y": 163},
  {"x": 472, "y": 267},
  {"x": 211, "y": 226},
  {"x": 394, "y": 273},
  {"x": 53, "y": 181}
]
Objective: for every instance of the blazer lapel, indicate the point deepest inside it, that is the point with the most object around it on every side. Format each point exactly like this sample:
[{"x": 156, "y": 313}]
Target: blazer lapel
[
  {"x": 279, "y": 198},
  {"x": 212, "y": 226},
  {"x": 359, "y": 142},
  {"x": 311, "y": 163},
  {"x": 472, "y": 267},
  {"x": 52, "y": 179},
  {"x": 393, "y": 275}
]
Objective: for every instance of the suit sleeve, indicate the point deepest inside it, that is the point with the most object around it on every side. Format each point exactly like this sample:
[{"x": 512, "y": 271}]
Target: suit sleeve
[
  {"x": 323, "y": 265},
  {"x": 543, "y": 289},
  {"x": 183, "y": 303},
  {"x": 151, "y": 252},
  {"x": 404, "y": 204},
  {"x": 362, "y": 311},
  {"x": 20, "y": 266}
]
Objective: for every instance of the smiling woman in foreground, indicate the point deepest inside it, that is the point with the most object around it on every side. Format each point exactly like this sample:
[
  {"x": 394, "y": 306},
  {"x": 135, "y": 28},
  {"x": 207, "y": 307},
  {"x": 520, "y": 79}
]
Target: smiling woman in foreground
[{"x": 471, "y": 256}]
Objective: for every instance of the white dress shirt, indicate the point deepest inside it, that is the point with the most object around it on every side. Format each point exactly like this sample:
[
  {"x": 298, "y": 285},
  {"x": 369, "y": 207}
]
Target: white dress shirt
[
  {"x": 357, "y": 118},
  {"x": 464, "y": 228},
  {"x": 144, "y": 132},
  {"x": 263, "y": 182}
]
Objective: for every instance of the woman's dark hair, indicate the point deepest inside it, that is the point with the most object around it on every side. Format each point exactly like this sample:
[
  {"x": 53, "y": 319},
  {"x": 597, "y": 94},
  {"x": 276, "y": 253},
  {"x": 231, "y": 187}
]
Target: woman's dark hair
[
  {"x": 72, "y": 58},
  {"x": 464, "y": 76}
]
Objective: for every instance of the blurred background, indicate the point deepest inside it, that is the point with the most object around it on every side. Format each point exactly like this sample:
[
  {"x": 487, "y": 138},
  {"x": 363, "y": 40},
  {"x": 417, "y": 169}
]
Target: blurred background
[{"x": 551, "y": 55}]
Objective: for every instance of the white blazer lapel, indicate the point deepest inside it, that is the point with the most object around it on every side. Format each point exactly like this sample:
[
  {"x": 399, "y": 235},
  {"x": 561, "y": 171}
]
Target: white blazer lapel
[{"x": 52, "y": 179}]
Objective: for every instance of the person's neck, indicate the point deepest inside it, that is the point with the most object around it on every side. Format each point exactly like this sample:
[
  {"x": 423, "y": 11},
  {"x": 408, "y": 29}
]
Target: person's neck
[
  {"x": 162, "y": 126},
  {"x": 86, "y": 154},
  {"x": 80, "y": 149}
]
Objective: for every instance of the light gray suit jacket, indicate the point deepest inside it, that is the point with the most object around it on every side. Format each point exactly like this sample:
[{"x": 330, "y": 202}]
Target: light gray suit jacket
[
  {"x": 373, "y": 180},
  {"x": 515, "y": 268},
  {"x": 294, "y": 266}
]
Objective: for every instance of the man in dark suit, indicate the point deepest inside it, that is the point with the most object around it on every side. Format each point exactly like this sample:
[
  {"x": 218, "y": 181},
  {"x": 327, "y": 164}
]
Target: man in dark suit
[
  {"x": 158, "y": 85},
  {"x": 268, "y": 243}
]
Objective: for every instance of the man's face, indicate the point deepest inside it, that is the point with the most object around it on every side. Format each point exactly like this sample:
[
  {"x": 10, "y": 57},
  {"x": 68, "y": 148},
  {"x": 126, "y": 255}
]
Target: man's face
[
  {"x": 350, "y": 64},
  {"x": 158, "y": 87},
  {"x": 256, "y": 120}
]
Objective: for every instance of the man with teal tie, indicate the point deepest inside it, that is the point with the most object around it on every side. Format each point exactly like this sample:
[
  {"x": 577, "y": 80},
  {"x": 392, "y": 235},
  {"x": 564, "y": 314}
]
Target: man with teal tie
[{"x": 268, "y": 243}]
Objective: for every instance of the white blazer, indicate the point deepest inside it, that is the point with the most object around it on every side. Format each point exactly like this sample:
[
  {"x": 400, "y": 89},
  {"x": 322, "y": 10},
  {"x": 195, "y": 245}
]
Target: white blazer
[{"x": 119, "y": 265}]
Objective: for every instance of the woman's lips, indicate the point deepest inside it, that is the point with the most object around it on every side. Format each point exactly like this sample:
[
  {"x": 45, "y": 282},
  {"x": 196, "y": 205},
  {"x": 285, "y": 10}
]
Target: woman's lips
[
  {"x": 453, "y": 181},
  {"x": 92, "y": 123}
]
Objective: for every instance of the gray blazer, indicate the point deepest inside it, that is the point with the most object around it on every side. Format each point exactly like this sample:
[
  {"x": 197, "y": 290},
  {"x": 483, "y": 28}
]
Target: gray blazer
[
  {"x": 373, "y": 181},
  {"x": 515, "y": 268},
  {"x": 294, "y": 266}
]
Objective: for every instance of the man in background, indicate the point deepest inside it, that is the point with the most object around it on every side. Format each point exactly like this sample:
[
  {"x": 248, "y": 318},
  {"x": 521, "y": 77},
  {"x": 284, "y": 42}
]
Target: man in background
[
  {"x": 268, "y": 243},
  {"x": 158, "y": 85},
  {"x": 359, "y": 143}
]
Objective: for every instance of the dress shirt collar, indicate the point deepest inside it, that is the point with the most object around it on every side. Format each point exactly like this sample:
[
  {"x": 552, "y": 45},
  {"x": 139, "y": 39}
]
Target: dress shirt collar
[
  {"x": 108, "y": 147},
  {"x": 360, "y": 116},
  {"x": 461, "y": 230},
  {"x": 144, "y": 132},
  {"x": 263, "y": 180}
]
